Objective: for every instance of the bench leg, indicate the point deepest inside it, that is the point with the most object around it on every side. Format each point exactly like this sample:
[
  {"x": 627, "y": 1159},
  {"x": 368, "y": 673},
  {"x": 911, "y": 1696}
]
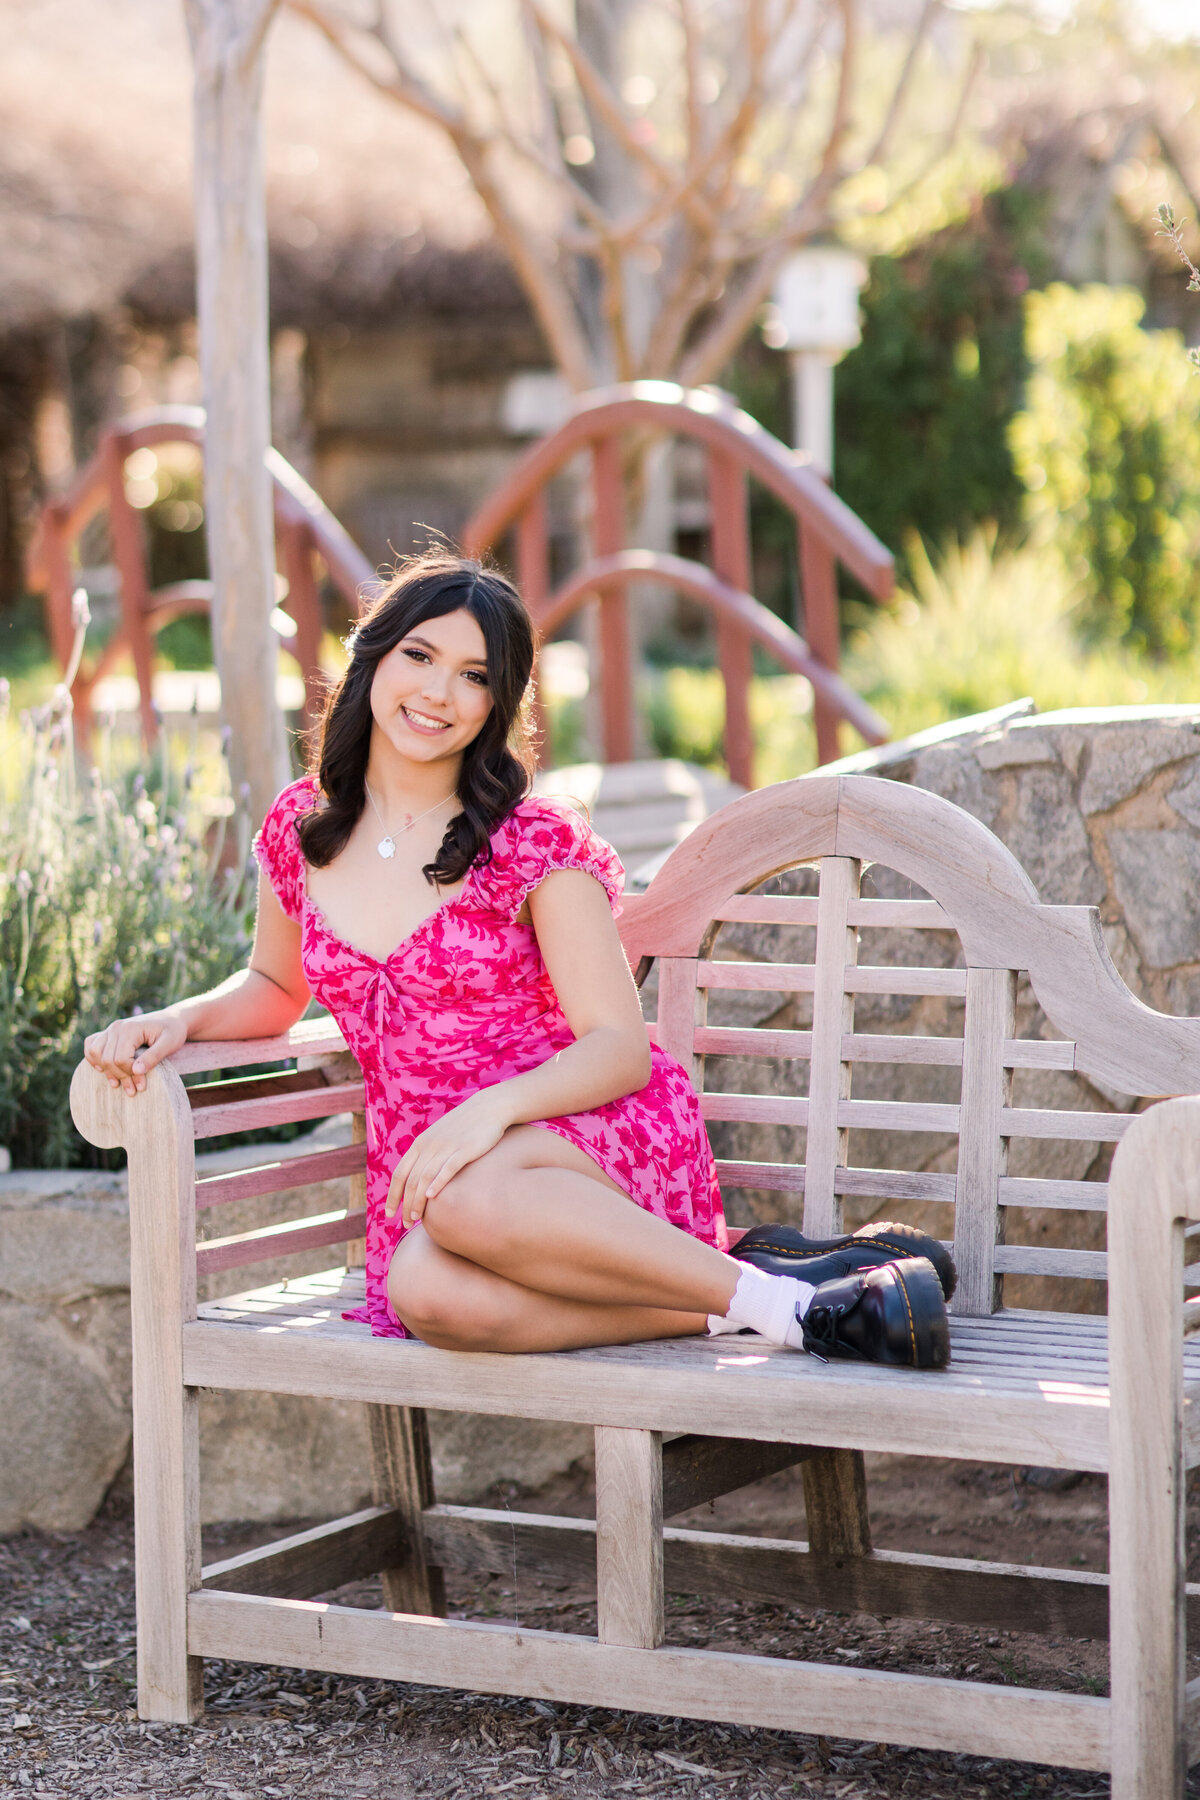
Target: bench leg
[
  {"x": 166, "y": 1506},
  {"x": 835, "y": 1504},
  {"x": 629, "y": 1539},
  {"x": 402, "y": 1477},
  {"x": 156, "y": 1130},
  {"x": 1147, "y": 1621}
]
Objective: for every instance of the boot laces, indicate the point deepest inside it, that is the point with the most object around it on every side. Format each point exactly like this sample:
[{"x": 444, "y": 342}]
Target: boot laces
[{"x": 820, "y": 1327}]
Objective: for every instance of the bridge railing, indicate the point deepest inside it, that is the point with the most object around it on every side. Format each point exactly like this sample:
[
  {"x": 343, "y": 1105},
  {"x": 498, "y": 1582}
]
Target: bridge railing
[
  {"x": 304, "y": 529},
  {"x": 736, "y": 448}
]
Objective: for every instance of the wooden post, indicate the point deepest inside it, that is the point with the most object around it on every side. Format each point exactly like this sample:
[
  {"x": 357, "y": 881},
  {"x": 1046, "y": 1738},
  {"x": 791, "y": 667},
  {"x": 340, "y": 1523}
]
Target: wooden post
[
  {"x": 982, "y": 1151},
  {"x": 731, "y": 561},
  {"x": 835, "y": 1482},
  {"x": 629, "y": 1539},
  {"x": 818, "y": 585},
  {"x": 304, "y": 606},
  {"x": 402, "y": 1471},
  {"x": 1152, "y": 1190},
  {"x": 228, "y": 39},
  {"x": 533, "y": 580},
  {"x": 129, "y": 554},
  {"x": 156, "y": 1130},
  {"x": 835, "y": 1504},
  {"x": 616, "y": 670}
]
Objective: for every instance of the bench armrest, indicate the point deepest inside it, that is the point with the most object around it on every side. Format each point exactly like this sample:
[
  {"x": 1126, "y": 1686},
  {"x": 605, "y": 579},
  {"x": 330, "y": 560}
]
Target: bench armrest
[{"x": 312, "y": 1037}]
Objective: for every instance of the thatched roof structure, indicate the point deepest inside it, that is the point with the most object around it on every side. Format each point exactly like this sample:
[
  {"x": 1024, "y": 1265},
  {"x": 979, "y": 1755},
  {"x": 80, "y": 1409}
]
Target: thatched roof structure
[{"x": 368, "y": 208}]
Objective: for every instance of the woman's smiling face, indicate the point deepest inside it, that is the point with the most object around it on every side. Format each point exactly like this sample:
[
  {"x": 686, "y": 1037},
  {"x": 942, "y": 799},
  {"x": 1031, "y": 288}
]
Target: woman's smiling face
[{"x": 430, "y": 694}]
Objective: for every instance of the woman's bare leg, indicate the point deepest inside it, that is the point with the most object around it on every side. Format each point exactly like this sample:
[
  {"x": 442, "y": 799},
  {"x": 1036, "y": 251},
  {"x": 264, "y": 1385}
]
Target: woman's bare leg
[
  {"x": 538, "y": 1211},
  {"x": 457, "y": 1305}
]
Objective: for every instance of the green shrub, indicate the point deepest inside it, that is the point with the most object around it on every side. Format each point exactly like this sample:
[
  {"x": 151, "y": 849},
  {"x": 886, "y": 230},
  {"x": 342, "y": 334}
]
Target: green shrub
[
  {"x": 1109, "y": 450},
  {"x": 111, "y": 900},
  {"x": 985, "y": 625},
  {"x": 923, "y": 404}
]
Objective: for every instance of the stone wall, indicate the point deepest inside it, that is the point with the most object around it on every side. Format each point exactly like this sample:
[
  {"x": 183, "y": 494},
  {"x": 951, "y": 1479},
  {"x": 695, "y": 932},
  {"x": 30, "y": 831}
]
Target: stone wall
[
  {"x": 66, "y": 1425},
  {"x": 1102, "y": 807}
]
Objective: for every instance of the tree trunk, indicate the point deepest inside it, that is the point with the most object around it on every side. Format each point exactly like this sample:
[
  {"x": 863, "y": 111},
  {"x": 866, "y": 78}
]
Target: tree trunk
[{"x": 228, "y": 38}]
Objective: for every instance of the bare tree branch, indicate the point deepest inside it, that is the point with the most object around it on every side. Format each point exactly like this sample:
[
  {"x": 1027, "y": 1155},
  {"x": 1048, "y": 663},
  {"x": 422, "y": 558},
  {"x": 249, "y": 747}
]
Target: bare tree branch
[
  {"x": 693, "y": 106},
  {"x": 609, "y": 110},
  {"x": 711, "y": 203},
  {"x": 943, "y": 146},
  {"x": 883, "y": 142}
]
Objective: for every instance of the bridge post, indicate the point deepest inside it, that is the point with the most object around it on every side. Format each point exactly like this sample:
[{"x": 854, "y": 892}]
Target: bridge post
[
  {"x": 731, "y": 561},
  {"x": 818, "y": 584},
  {"x": 533, "y": 580},
  {"x": 608, "y": 539}
]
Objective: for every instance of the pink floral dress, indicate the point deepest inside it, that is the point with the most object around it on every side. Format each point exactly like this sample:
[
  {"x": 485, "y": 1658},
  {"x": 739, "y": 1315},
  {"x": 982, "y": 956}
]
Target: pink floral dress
[{"x": 465, "y": 1002}]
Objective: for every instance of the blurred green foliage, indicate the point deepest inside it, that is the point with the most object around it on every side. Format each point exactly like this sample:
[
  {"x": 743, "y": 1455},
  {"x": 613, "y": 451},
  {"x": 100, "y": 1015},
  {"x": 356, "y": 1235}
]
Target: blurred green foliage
[
  {"x": 115, "y": 895},
  {"x": 983, "y": 624},
  {"x": 979, "y": 625},
  {"x": 923, "y": 404},
  {"x": 1108, "y": 447}
]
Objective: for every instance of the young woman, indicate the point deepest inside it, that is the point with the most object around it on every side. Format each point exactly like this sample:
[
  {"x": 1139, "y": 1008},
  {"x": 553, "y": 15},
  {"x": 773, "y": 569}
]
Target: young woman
[{"x": 538, "y": 1176}]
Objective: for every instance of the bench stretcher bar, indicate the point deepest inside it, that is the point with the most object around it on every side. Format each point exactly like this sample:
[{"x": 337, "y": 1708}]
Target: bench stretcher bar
[{"x": 928, "y": 1712}]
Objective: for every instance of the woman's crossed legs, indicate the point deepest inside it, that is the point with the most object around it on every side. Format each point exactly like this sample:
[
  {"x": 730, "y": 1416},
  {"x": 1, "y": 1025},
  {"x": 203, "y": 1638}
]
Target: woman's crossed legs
[{"x": 533, "y": 1247}]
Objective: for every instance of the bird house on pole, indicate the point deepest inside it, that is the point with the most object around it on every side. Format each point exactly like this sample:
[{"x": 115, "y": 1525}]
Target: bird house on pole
[{"x": 815, "y": 318}]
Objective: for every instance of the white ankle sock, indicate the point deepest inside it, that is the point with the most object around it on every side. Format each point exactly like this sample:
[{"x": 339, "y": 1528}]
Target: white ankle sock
[{"x": 768, "y": 1304}]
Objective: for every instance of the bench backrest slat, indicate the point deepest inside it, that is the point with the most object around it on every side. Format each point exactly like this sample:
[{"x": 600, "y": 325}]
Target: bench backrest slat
[{"x": 932, "y": 1071}]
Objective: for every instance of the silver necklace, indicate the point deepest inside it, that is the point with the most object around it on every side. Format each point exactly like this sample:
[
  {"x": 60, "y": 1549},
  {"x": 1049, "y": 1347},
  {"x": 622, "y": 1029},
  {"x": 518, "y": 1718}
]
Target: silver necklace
[{"x": 387, "y": 843}]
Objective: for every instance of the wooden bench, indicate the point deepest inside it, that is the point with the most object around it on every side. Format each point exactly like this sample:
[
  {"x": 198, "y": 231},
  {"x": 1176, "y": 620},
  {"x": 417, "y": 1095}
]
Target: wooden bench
[{"x": 679, "y": 1422}]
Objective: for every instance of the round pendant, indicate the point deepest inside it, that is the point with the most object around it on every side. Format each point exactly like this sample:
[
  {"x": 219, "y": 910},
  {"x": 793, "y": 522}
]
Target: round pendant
[{"x": 386, "y": 847}]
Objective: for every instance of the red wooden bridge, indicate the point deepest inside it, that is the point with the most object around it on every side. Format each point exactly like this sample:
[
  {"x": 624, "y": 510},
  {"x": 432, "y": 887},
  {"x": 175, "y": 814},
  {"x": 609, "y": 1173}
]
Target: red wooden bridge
[{"x": 736, "y": 448}]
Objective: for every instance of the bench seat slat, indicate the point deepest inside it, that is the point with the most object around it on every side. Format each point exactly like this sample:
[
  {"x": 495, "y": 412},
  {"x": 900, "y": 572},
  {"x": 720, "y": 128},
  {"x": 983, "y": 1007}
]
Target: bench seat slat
[{"x": 993, "y": 1404}]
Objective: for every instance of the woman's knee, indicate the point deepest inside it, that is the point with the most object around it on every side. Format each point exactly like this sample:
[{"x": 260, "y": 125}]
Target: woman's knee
[
  {"x": 469, "y": 1216},
  {"x": 423, "y": 1299}
]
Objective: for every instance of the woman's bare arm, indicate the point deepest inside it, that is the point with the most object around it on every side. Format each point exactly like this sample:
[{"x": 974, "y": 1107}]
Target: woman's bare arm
[{"x": 263, "y": 1000}]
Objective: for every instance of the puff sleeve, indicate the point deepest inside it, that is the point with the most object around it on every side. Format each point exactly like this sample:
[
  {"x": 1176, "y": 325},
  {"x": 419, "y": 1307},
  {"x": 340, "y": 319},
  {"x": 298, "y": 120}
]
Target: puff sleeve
[
  {"x": 538, "y": 838},
  {"x": 277, "y": 847}
]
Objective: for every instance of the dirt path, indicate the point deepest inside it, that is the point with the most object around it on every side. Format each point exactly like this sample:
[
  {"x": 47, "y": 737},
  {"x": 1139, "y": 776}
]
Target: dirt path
[{"x": 68, "y": 1730}]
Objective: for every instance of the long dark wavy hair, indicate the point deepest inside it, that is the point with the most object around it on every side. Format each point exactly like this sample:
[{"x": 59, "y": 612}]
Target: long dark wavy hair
[{"x": 497, "y": 764}]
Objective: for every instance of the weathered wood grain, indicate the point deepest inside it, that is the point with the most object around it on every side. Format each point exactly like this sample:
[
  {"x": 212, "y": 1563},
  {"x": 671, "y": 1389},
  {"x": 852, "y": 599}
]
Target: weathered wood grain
[
  {"x": 316, "y": 1561},
  {"x": 319, "y": 1102},
  {"x": 928, "y": 1711},
  {"x": 284, "y": 1239},
  {"x": 1153, "y": 1189},
  {"x": 982, "y": 1145},
  {"x": 629, "y": 1539},
  {"x": 155, "y": 1128},
  {"x": 696, "y": 1469},
  {"x": 477, "y": 1540},
  {"x": 402, "y": 1481},
  {"x": 279, "y": 1177}
]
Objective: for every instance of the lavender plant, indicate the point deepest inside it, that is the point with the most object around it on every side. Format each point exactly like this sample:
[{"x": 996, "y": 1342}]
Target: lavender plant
[
  {"x": 1169, "y": 228},
  {"x": 112, "y": 900}
]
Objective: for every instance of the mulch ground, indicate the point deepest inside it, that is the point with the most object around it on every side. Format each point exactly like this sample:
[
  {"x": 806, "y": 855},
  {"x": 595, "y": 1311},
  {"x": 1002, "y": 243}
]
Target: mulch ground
[{"x": 68, "y": 1727}]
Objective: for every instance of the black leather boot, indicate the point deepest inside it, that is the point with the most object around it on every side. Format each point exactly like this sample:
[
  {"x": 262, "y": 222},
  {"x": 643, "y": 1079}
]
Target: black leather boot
[
  {"x": 782, "y": 1250},
  {"x": 891, "y": 1314}
]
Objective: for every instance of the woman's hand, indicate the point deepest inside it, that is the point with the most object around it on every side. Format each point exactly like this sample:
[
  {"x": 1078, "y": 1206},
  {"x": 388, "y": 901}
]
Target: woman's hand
[
  {"x": 128, "y": 1049},
  {"x": 459, "y": 1137}
]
